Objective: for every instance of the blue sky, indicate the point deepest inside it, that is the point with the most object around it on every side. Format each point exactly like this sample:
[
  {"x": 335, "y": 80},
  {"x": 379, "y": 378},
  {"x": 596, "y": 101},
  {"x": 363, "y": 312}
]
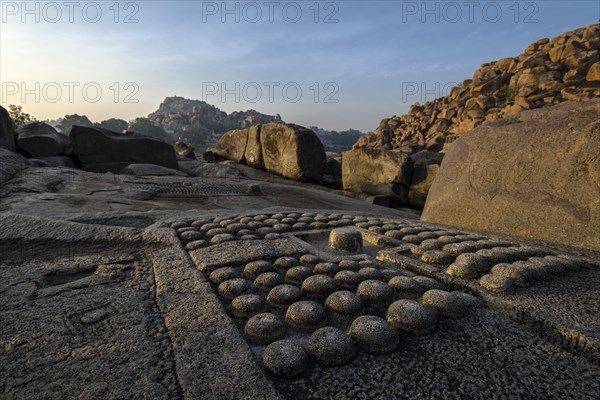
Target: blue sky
[{"x": 355, "y": 62}]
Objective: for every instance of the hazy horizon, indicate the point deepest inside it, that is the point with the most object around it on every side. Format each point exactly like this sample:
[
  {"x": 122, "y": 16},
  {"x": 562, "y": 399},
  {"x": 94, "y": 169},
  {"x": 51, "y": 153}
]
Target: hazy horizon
[{"x": 354, "y": 62}]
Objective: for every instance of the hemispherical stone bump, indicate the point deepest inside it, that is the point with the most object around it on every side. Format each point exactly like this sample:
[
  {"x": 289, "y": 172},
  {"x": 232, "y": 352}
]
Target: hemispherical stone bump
[
  {"x": 222, "y": 238},
  {"x": 255, "y": 268},
  {"x": 347, "y": 279},
  {"x": 234, "y": 287},
  {"x": 268, "y": 280},
  {"x": 246, "y": 305},
  {"x": 428, "y": 283},
  {"x": 326, "y": 268},
  {"x": 346, "y": 239},
  {"x": 437, "y": 257},
  {"x": 350, "y": 265},
  {"x": 298, "y": 274},
  {"x": 285, "y": 358},
  {"x": 412, "y": 316},
  {"x": 374, "y": 335},
  {"x": 405, "y": 286},
  {"x": 190, "y": 236},
  {"x": 284, "y": 295},
  {"x": 305, "y": 315},
  {"x": 264, "y": 328},
  {"x": 375, "y": 293},
  {"x": 344, "y": 304},
  {"x": 223, "y": 274},
  {"x": 445, "y": 303},
  {"x": 537, "y": 271},
  {"x": 285, "y": 263},
  {"x": 520, "y": 276},
  {"x": 310, "y": 259},
  {"x": 331, "y": 346},
  {"x": 462, "y": 270},
  {"x": 196, "y": 244},
  {"x": 318, "y": 286},
  {"x": 476, "y": 261},
  {"x": 497, "y": 284},
  {"x": 371, "y": 273}
]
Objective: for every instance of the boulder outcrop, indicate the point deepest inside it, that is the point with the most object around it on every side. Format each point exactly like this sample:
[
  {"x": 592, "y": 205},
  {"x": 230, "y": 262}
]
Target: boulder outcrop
[
  {"x": 549, "y": 72},
  {"x": 10, "y": 164},
  {"x": 289, "y": 150},
  {"x": 534, "y": 175},
  {"x": 292, "y": 151},
  {"x": 377, "y": 172},
  {"x": 39, "y": 139},
  {"x": 100, "y": 150},
  {"x": 7, "y": 139}
]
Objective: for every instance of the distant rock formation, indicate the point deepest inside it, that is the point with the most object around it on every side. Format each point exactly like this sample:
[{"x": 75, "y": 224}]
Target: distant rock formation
[
  {"x": 535, "y": 175},
  {"x": 179, "y": 115},
  {"x": 549, "y": 72}
]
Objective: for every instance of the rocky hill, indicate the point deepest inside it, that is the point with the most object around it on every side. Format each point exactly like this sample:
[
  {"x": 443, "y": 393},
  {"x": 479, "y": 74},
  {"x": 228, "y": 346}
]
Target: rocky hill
[
  {"x": 550, "y": 71},
  {"x": 195, "y": 120},
  {"x": 179, "y": 115}
]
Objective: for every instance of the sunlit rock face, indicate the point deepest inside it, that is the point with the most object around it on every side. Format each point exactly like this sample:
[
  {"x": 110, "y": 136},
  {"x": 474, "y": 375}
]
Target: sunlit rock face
[{"x": 550, "y": 71}]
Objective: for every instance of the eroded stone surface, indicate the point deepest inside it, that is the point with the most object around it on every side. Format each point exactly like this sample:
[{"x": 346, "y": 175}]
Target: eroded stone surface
[{"x": 201, "y": 346}]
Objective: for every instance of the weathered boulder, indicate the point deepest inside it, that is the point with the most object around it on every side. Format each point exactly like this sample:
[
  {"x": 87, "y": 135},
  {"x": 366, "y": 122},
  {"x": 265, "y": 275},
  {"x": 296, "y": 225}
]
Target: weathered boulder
[
  {"x": 39, "y": 139},
  {"x": 253, "y": 153},
  {"x": 377, "y": 172},
  {"x": 292, "y": 151},
  {"x": 333, "y": 166},
  {"x": 425, "y": 168},
  {"x": 7, "y": 140},
  {"x": 535, "y": 175},
  {"x": 101, "y": 150},
  {"x": 289, "y": 150},
  {"x": 232, "y": 145},
  {"x": 10, "y": 164}
]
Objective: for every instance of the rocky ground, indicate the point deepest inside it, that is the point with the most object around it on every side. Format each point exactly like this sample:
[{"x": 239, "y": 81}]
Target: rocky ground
[{"x": 133, "y": 286}]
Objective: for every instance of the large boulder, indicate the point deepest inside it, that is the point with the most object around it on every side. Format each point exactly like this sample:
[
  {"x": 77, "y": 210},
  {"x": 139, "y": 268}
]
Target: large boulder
[
  {"x": 39, "y": 139},
  {"x": 232, "y": 145},
  {"x": 377, "y": 172},
  {"x": 253, "y": 153},
  {"x": 289, "y": 150},
  {"x": 425, "y": 168},
  {"x": 100, "y": 150},
  {"x": 292, "y": 151},
  {"x": 10, "y": 164},
  {"x": 7, "y": 139},
  {"x": 535, "y": 175}
]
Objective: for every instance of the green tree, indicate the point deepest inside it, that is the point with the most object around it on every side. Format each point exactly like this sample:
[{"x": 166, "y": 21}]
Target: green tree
[
  {"x": 68, "y": 121},
  {"x": 196, "y": 136},
  {"x": 113, "y": 124},
  {"x": 18, "y": 117},
  {"x": 146, "y": 127}
]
